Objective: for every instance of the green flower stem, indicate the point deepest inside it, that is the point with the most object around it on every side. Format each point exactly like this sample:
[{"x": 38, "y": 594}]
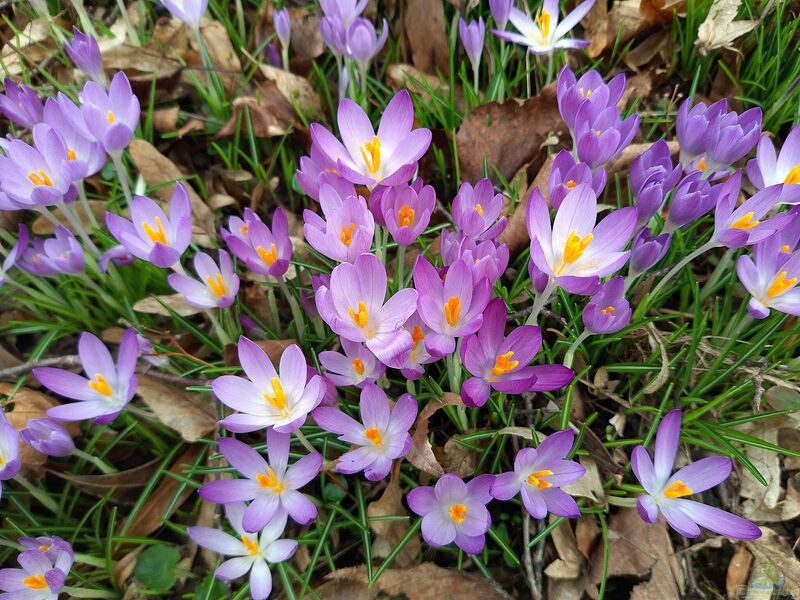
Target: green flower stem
[
  {"x": 38, "y": 493},
  {"x": 98, "y": 462},
  {"x": 570, "y": 355},
  {"x": 122, "y": 173},
  {"x": 297, "y": 313}
]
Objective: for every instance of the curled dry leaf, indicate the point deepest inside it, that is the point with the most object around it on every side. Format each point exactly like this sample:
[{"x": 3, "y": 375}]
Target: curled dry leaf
[
  {"x": 589, "y": 486},
  {"x": 595, "y": 29},
  {"x": 569, "y": 562},
  {"x": 124, "y": 487},
  {"x": 421, "y": 452},
  {"x": 719, "y": 30},
  {"x": 297, "y": 90},
  {"x": 457, "y": 458},
  {"x": 191, "y": 414},
  {"x": 757, "y": 496},
  {"x": 221, "y": 50},
  {"x": 31, "y": 46},
  {"x": 155, "y": 305},
  {"x": 424, "y": 25},
  {"x": 738, "y": 572},
  {"x": 390, "y": 504},
  {"x": 165, "y": 120}
]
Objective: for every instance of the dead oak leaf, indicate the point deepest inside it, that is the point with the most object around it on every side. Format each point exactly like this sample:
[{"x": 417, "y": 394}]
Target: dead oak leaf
[
  {"x": 188, "y": 413},
  {"x": 719, "y": 30},
  {"x": 420, "y": 454}
]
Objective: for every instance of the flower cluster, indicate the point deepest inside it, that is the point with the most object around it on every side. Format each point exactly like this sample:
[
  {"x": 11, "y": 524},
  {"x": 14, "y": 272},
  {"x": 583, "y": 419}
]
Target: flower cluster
[{"x": 44, "y": 564}]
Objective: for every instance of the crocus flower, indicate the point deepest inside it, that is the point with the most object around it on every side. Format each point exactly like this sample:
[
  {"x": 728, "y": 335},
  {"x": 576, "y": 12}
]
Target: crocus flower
[
  {"x": 38, "y": 579},
  {"x": 36, "y": 176},
  {"x": 265, "y": 251},
  {"x": 251, "y": 552},
  {"x": 53, "y": 547},
  {"x": 85, "y": 53},
  {"x": 601, "y": 138},
  {"x": 267, "y": 398},
  {"x": 61, "y": 254},
  {"x": 21, "y": 104},
  {"x": 363, "y": 42},
  {"x": 9, "y": 450},
  {"x": 501, "y": 363},
  {"x": 730, "y": 137},
  {"x": 538, "y": 475},
  {"x": 691, "y": 127},
  {"x": 407, "y": 212},
  {"x": 151, "y": 234},
  {"x": 476, "y": 211},
  {"x": 767, "y": 169},
  {"x": 14, "y": 253},
  {"x": 501, "y": 9},
  {"x": 283, "y": 26},
  {"x": 414, "y": 369},
  {"x": 343, "y": 10},
  {"x": 381, "y": 437},
  {"x": 48, "y": 437},
  {"x": 575, "y": 251},
  {"x": 647, "y": 250},
  {"x": 353, "y": 306},
  {"x": 453, "y": 308},
  {"x": 85, "y": 156},
  {"x": 107, "y": 388},
  {"x": 217, "y": 286},
  {"x": 771, "y": 279},
  {"x": 608, "y": 311},
  {"x": 118, "y": 254},
  {"x": 189, "y": 11},
  {"x": 589, "y": 92},
  {"x": 311, "y": 167},
  {"x": 454, "y": 511},
  {"x": 347, "y": 230},
  {"x": 366, "y": 158},
  {"x": 334, "y": 32},
  {"x": 545, "y": 33},
  {"x": 111, "y": 115},
  {"x": 693, "y": 197},
  {"x": 666, "y": 492},
  {"x": 652, "y": 177},
  {"x": 486, "y": 260},
  {"x": 567, "y": 173},
  {"x": 472, "y": 35},
  {"x": 357, "y": 366},
  {"x": 271, "y": 485}
]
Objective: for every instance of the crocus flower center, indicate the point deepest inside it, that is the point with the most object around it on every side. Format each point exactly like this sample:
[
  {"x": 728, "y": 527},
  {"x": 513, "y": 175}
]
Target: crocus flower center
[
  {"x": 745, "y": 222},
  {"x": 40, "y": 177},
  {"x": 458, "y": 512},
  {"x": 479, "y": 209},
  {"x": 571, "y": 183},
  {"x": 244, "y": 229},
  {"x": 503, "y": 364},
  {"x": 677, "y": 490},
  {"x": 585, "y": 93},
  {"x": 250, "y": 545},
  {"x": 793, "y": 176},
  {"x": 374, "y": 436},
  {"x": 157, "y": 235},
  {"x": 358, "y": 366},
  {"x": 417, "y": 336},
  {"x": 270, "y": 481},
  {"x": 217, "y": 285},
  {"x": 35, "y": 582},
  {"x": 537, "y": 479},
  {"x": 110, "y": 117},
  {"x": 405, "y": 216},
  {"x": 346, "y": 234},
  {"x": 701, "y": 165},
  {"x": 360, "y": 318},
  {"x": 543, "y": 21},
  {"x": 268, "y": 257},
  {"x": 71, "y": 154},
  {"x": 780, "y": 284},
  {"x": 100, "y": 385},
  {"x": 575, "y": 247},
  {"x": 371, "y": 153},
  {"x": 608, "y": 310},
  {"x": 44, "y": 548},
  {"x": 785, "y": 248},
  {"x": 1, "y": 460},
  {"x": 452, "y": 310},
  {"x": 278, "y": 397}
]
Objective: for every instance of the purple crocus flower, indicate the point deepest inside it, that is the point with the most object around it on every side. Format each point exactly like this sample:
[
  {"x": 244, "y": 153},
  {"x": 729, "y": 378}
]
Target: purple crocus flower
[
  {"x": 575, "y": 251},
  {"x": 381, "y": 437},
  {"x": 152, "y": 235},
  {"x": 772, "y": 278},
  {"x": 10, "y": 463},
  {"x": 311, "y": 167},
  {"x": 768, "y": 169},
  {"x": 357, "y": 366},
  {"x": 84, "y": 154},
  {"x": 472, "y": 35},
  {"x": 486, "y": 260},
  {"x": 353, "y": 306},
  {"x": 608, "y": 311},
  {"x": 14, "y": 253},
  {"x": 407, "y": 212},
  {"x": 334, "y": 32},
  {"x": 343, "y": 10},
  {"x": 53, "y": 547},
  {"x": 590, "y": 90},
  {"x": 48, "y": 437},
  {"x": 691, "y": 127},
  {"x": 567, "y": 173},
  {"x": 453, "y": 308},
  {"x": 21, "y": 104},
  {"x": 501, "y": 9},
  {"x": 38, "y": 579},
  {"x": 107, "y": 388},
  {"x": 666, "y": 492},
  {"x": 366, "y": 158},
  {"x": 111, "y": 115},
  {"x": 118, "y": 254},
  {"x": 538, "y": 475},
  {"x": 693, "y": 197},
  {"x": 217, "y": 286},
  {"x": 283, "y": 26},
  {"x": 601, "y": 138},
  {"x": 647, "y": 250},
  {"x": 414, "y": 369},
  {"x": 545, "y": 33},
  {"x": 347, "y": 230},
  {"x": 271, "y": 485},
  {"x": 363, "y": 42},
  {"x": 730, "y": 137},
  {"x": 251, "y": 552},
  {"x": 652, "y": 178},
  {"x": 501, "y": 363},
  {"x": 61, "y": 254},
  {"x": 454, "y": 511},
  {"x": 268, "y": 398},
  {"x": 189, "y": 11},
  {"x": 476, "y": 211},
  {"x": 265, "y": 251},
  {"x": 85, "y": 53}
]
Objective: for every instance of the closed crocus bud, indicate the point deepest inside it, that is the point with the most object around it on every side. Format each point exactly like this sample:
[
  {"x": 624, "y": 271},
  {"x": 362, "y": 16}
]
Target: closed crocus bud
[
  {"x": 691, "y": 127},
  {"x": 333, "y": 33},
  {"x": 608, "y": 311},
  {"x": 731, "y": 137},
  {"x": 85, "y": 53},
  {"x": 363, "y": 41},
  {"x": 48, "y": 437},
  {"x": 21, "y": 104},
  {"x": 647, "y": 250},
  {"x": 590, "y": 90},
  {"x": 501, "y": 9},
  {"x": 601, "y": 138},
  {"x": 693, "y": 198},
  {"x": 61, "y": 254},
  {"x": 283, "y": 26},
  {"x": 472, "y": 35},
  {"x": 656, "y": 160}
]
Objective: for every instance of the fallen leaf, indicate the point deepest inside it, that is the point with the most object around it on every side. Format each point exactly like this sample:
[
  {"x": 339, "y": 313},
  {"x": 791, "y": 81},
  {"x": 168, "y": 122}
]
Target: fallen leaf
[
  {"x": 274, "y": 348},
  {"x": 427, "y": 37},
  {"x": 515, "y": 235},
  {"x": 719, "y": 30},
  {"x": 458, "y": 458},
  {"x": 767, "y": 463},
  {"x": 44, "y": 226},
  {"x": 420, "y": 454},
  {"x": 145, "y": 64},
  {"x": 306, "y": 42},
  {"x": 124, "y": 487},
  {"x": 223, "y": 56},
  {"x": 165, "y": 120},
  {"x": 590, "y": 485},
  {"x": 296, "y": 89},
  {"x": 123, "y": 570},
  {"x": 587, "y": 532},
  {"x": 401, "y": 75},
  {"x": 31, "y": 46},
  {"x": 154, "y": 305},
  {"x": 271, "y": 115},
  {"x": 773, "y": 554},
  {"x": 390, "y": 504},
  {"x": 569, "y": 562},
  {"x": 654, "y": 338},
  {"x": 595, "y": 28},
  {"x": 738, "y": 572},
  {"x": 189, "y": 413},
  {"x": 659, "y": 43}
]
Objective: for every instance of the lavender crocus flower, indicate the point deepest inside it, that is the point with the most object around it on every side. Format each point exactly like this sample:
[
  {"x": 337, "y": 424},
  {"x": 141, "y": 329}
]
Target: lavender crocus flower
[
  {"x": 652, "y": 177},
  {"x": 251, "y": 553},
  {"x": 107, "y": 389},
  {"x": 666, "y": 491},
  {"x": 567, "y": 173},
  {"x": 476, "y": 211},
  {"x": 57, "y": 550},
  {"x": 772, "y": 278},
  {"x": 283, "y": 26},
  {"x": 21, "y": 104},
  {"x": 647, "y": 250},
  {"x": 501, "y": 363},
  {"x": 217, "y": 286},
  {"x": 407, "y": 211},
  {"x": 691, "y": 127},
  {"x": 693, "y": 197},
  {"x": 118, "y": 254},
  {"x": 111, "y": 115},
  {"x": 38, "y": 579},
  {"x": 268, "y": 398},
  {"x": 538, "y": 475},
  {"x": 730, "y": 137},
  {"x": 48, "y": 437},
  {"x": 589, "y": 92},
  {"x": 381, "y": 437},
  {"x": 608, "y": 311},
  {"x": 357, "y": 366},
  {"x": 601, "y": 138},
  {"x": 265, "y": 251},
  {"x": 366, "y": 158},
  {"x": 472, "y": 35},
  {"x": 353, "y": 306},
  {"x": 85, "y": 53},
  {"x": 545, "y": 33},
  {"x": 454, "y": 511},
  {"x": 768, "y": 169},
  {"x": 363, "y": 42},
  {"x": 414, "y": 369},
  {"x": 343, "y": 10},
  {"x": 501, "y": 9},
  {"x": 311, "y": 167},
  {"x": 453, "y": 308},
  {"x": 189, "y": 11},
  {"x": 10, "y": 463},
  {"x": 14, "y": 253},
  {"x": 347, "y": 230},
  {"x": 85, "y": 156},
  {"x": 486, "y": 260},
  {"x": 61, "y": 254},
  {"x": 272, "y": 486}
]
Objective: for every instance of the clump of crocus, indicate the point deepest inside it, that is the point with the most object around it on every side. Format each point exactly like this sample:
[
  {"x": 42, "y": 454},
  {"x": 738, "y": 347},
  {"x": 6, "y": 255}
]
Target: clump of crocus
[
  {"x": 357, "y": 366},
  {"x": 693, "y": 197},
  {"x": 476, "y": 211},
  {"x": 652, "y": 178},
  {"x": 268, "y": 398},
  {"x": 347, "y": 230},
  {"x": 538, "y": 476},
  {"x": 271, "y": 486},
  {"x": 486, "y": 260},
  {"x": 61, "y": 254},
  {"x": 85, "y": 156},
  {"x": 601, "y": 137},
  {"x": 407, "y": 211},
  {"x": 9, "y": 450},
  {"x": 21, "y": 104},
  {"x": 111, "y": 115},
  {"x": 265, "y": 250},
  {"x": 217, "y": 285},
  {"x": 107, "y": 387},
  {"x": 768, "y": 169},
  {"x": 85, "y": 53},
  {"x": 771, "y": 279},
  {"x": 544, "y": 33},
  {"x": 589, "y": 93},
  {"x": 666, "y": 492},
  {"x": 567, "y": 174},
  {"x": 454, "y": 511},
  {"x": 381, "y": 437}
]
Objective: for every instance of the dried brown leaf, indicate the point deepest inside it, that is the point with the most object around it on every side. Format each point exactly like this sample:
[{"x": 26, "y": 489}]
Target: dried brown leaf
[
  {"x": 595, "y": 28},
  {"x": 719, "y": 30},
  {"x": 590, "y": 485},
  {"x": 221, "y": 50},
  {"x": 738, "y": 572},
  {"x": 775, "y": 558},
  {"x": 189, "y": 413},
  {"x": 458, "y": 458},
  {"x": 569, "y": 562},
  {"x": 296, "y": 89},
  {"x": 154, "y": 305},
  {"x": 271, "y": 115},
  {"x": 401, "y": 75},
  {"x": 390, "y": 504},
  {"x": 421, "y": 452},
  {"x": 425, "y": 30},
  {"x": 126, "y": 485},
  {"x": 165, "y": 120}
]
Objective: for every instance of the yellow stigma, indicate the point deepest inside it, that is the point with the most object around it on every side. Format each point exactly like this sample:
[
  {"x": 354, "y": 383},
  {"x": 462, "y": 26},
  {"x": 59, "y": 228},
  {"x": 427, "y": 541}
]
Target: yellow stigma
[
  {"x": 244, "y": 229},
  {"x": 503, "y": 364},
  {"x": 780, "y": 284},
  {"x": 250, "y": 545},
  {"x": 278, "y": 398},
  {"x": 417, "y": 336},
  {"x": 100, "y": 385},
  {"x": 35, "y": 582},
  {"x": 269, "y": 481},
  {"x": 346, "y": 234},
  {"x": 571, "y": 184},
  {"x": 785, "y": 248},
  {"x": 44, "y": 548},
  {"x": 702, "y": 164},
  {"x": 157, "y": 235},
  {"x": 585, "y": 93},
  {"x": 371, "y": 153},
  {"x": 677, "y": 489},
  {"x": 1, "y": 460},
  {"x": 452, "y": 310},
  {"x": 794, "y": 175},
  {"x": 745, "y": 222},
  {"x": 458, "y": 512},
  {"x": 405, "y": 216},
  {"x": 360, "y": 318},
  {"x": 574, "y": 248},
  {"x": 268, "y": 257},
  {"x": 479, "y": 209},
  {"x": 358, "y": 366},
  {"x": 374, "y": 436},
  {"x": 543, "y": 21},
  {"x": 217, "y": 285},
  {"x": 608, "y": 310},
  {"x": 537, "y": 479},
  {"x": 110, "y": 117},
  {"x": 39, "y": 177},
  {"x": 71, "y": 154}
]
